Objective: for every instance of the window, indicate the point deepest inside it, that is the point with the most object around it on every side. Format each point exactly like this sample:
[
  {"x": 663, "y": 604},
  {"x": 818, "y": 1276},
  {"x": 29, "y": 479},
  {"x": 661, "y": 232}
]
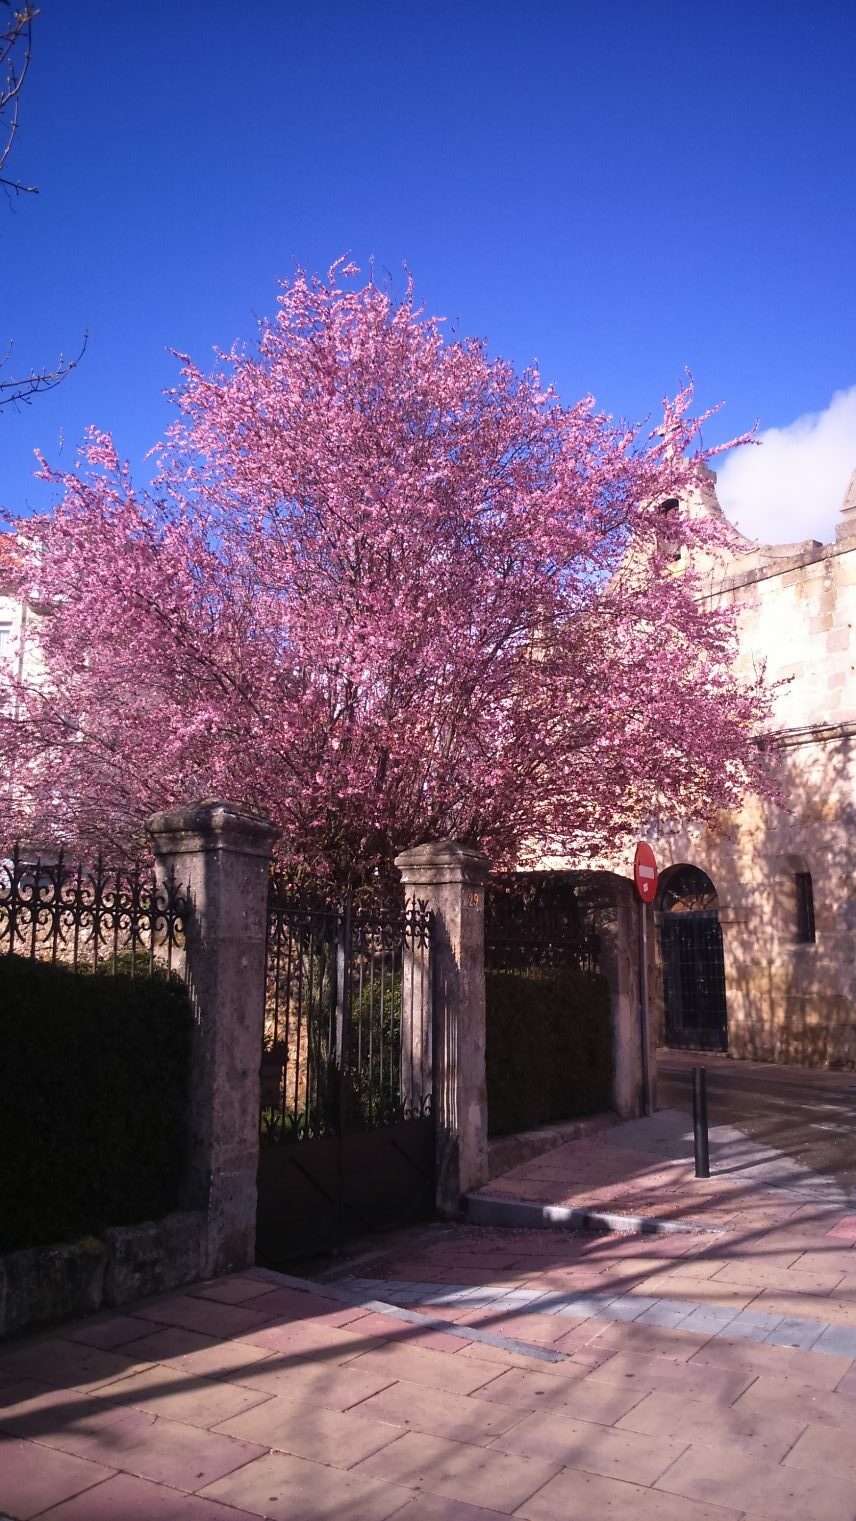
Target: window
[
  {"x": 667, "y": 541},
  {"x": 805, "y": 907},
  {"x": 5, "y": 641}
]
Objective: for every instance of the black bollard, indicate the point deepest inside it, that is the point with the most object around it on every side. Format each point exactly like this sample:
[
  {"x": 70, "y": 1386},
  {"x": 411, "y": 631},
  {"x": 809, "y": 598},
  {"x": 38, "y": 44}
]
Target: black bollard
[{"x": 702, "y": 1153}]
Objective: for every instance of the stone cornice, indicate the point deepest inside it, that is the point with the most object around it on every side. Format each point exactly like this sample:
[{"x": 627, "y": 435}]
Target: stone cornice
[{"x": 810, "y": 734}]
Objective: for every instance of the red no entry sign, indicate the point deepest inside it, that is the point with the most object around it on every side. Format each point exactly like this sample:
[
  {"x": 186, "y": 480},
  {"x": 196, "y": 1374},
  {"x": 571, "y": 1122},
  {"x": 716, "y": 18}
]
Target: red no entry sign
[{"x": 645, "y": 872}]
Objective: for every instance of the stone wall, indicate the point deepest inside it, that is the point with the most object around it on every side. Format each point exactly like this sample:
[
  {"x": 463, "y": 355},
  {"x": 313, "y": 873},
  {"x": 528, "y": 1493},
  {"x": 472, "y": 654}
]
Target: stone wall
[{"x": 791, "y": 1001}]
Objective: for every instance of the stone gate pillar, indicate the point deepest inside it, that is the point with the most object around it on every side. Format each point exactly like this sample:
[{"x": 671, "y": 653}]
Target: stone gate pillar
[
  {"x": 220, "y": 853},
  {"x": 613, "y": 905},
  {"x": 450, "y": 878}
]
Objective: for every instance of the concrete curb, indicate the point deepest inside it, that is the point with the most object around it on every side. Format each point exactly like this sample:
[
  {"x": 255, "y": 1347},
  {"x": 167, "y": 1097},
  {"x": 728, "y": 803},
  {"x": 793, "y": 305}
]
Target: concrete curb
[
  {"x": 508, "y": 1151},
  {"x": 523, "y": 1214}
]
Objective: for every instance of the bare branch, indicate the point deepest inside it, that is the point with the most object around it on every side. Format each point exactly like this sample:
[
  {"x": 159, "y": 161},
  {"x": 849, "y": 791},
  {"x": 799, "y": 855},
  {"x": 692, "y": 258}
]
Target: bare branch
[
  {"x": 16, "y": 32},
  {"x": 23, "y": 388},
  {"x": 15, "y": 53}
]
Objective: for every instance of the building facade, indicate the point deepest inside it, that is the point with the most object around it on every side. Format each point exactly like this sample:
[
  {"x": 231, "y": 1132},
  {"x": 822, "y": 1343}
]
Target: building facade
[{"x": 756, "y": 920}]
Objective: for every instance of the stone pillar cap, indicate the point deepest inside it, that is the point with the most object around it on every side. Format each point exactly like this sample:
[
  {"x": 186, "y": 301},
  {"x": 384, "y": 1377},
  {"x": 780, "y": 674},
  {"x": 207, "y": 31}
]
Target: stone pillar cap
[
  {"x": 214, "y": 817},
  {"x": 441, "y": 855}
]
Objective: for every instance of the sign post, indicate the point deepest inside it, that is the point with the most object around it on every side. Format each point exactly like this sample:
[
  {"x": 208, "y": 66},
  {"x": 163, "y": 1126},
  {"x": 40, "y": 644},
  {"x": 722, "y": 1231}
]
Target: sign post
[{"x": 645, "y": 878}]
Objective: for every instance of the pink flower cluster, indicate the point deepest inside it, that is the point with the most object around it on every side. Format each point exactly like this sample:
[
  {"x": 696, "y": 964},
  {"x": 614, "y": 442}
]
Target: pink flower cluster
[{"x": 386, "y": 590}]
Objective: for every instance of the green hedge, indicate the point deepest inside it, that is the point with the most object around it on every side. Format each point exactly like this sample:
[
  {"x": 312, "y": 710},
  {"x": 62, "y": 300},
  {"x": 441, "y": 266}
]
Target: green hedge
[
  {"x": 93, "y": 1091},
  {"x": 549, "y": 1047}
]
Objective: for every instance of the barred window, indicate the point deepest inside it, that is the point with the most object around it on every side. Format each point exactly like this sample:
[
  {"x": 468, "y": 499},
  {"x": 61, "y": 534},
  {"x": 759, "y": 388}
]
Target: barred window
[{"x": 805, "y": 907}]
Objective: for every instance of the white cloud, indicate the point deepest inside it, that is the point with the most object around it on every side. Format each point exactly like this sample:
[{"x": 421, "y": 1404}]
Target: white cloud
[{"x": 791, "y": 485}]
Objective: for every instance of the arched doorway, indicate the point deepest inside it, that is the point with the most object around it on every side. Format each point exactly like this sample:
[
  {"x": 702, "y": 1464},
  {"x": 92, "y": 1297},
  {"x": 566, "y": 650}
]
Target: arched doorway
[{"x": 693, "y": 963}]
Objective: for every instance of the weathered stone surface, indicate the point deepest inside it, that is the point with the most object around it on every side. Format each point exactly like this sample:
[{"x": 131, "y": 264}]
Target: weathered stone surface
[
  {"x": 221, "y": 854},
  {"x": 791, "y": 1001},
  {"x": 612, "y": 902},
  {"x": 150, "y": 1258},
  {"x": 48, "y": 1283},
  {"x": 450, "y": 878}
]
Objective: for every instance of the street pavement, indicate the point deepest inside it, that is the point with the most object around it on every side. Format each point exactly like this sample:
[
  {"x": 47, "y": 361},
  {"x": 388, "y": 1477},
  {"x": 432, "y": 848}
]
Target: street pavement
[
  {"x": 807, "y": 1115},
  {"x": 460, "y": 1373}
]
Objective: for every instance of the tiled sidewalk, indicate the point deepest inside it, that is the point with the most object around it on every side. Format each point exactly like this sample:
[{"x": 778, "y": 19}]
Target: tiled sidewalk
[
  {"x": 475, "y": 1374},
  {"x": 252, "y": 1397},
  {"x": 646, "y": 1168}
]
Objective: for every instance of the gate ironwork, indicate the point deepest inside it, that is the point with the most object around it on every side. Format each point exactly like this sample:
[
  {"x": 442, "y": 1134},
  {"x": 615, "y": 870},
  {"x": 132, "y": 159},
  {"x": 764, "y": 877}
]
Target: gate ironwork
[
  {"x": 535, "y": 919},
  {"x": 694, "y": 981},
  {"x": 346, "y": 1125}
]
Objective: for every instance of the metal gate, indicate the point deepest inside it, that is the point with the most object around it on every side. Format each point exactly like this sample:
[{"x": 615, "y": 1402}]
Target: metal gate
[
  {"x": 694, "y": 981},
  {"x": 346, "y": 1126}
]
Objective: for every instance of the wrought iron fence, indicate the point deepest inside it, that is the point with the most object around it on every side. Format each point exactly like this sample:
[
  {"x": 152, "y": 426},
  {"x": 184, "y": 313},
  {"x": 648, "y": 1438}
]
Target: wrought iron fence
[
  {"x": 89, "y": 917},
  {"x": 345, "y": 1046},
  {"x": 534, "y": 919}
]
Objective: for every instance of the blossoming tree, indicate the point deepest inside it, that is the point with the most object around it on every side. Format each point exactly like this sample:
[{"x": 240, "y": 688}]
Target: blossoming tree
[{"x": 386, "y": 590}]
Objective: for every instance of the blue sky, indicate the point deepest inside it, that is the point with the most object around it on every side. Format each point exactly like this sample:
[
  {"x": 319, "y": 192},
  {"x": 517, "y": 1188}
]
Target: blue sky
[{"x": 617, "y": 188}]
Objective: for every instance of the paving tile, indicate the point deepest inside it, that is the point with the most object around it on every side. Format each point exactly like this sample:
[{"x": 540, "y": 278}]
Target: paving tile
[
  {"x": 108, "y": 1333},
  {"x": 580, "y": 1345},
  {"x": 181, "y": 1396},
  {"x": 425, "y": 1507},
  {"x": 772, "y": 1399},
  {"x": 710, "y": 1319},
  {"x": 124, "y": 1498},
  {"x": 673, "y": 1415},
  {"x": 847, "y": 1385},
  {"x": 790, "y": 1279},
  {"x": 479, "y": 1475},
  {"x": 671, "y": 1313},
  {"x": 523, "y": 1326},
  {"x": 597, "y": 1449},
  {"x": 299, "y": 1339},
  {"x": 340, "y": 1438},
  {"x": 328, "y": 1386},
  {"x": 439, "y": 1413},
  {"x": 783, "y": 1362},
  {"x": 286, "y": 1304},
  {"x": 67, "y": 1364},
  {"x": 577, "y": 1496},
  {"x": 646, "y": 1374},
  {"x": 626, "y": 1307},
  {"x": 838, "y": 1258},
  {"x": 164, "y": 1451},
  {"x": 727, "y": 1475},
  {"x": 829, "y": 1449},
  {"x": 236, "y": 1289},
  {"x": 829, "y": 1307},
  {"x": 794, "y": 1331},
  {"x": 419, "y": 1365},
  {"x": 32, "y": 1478},
  {"x": 44, "y": 1414},
  {"x": 194, "y": 1353},
  {"x": 287, "y": 1488},
  {"x": 749, "y": 1325},
  {"x": 499, "y": 1357},
  {"x": 204, "y": 1315},
  {"x": 677, "y": 1345},
  {"x": 373, "y": 1329},
  {"x": 524, "y": 1389},
  {"x": 844, "y": 1229}
]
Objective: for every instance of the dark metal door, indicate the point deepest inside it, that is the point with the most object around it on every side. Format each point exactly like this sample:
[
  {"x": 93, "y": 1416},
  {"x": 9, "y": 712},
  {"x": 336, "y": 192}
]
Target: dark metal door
[
  {"x": 694, "y": 981},
  {"x": 347, "y": 1132}
]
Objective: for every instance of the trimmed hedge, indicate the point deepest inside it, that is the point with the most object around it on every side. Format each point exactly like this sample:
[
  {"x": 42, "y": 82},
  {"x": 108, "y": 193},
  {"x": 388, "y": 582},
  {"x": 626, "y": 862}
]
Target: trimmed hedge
[
  {"x": 93, "y": 1100},
  {"x": 549, "y": 1047}
]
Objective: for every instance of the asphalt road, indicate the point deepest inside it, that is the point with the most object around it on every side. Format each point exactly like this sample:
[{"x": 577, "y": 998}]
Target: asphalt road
[{"x": 808, "y": 1115}]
